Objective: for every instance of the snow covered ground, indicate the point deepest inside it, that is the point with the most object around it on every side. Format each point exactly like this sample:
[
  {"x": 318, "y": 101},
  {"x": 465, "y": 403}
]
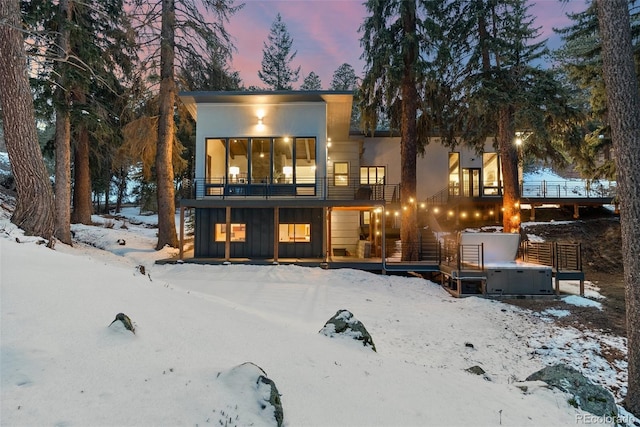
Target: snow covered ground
[{"x": 62, "y": 365}]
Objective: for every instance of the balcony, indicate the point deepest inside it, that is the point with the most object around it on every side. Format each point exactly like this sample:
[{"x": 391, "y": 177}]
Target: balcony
[{"x": 320, "y": 189}]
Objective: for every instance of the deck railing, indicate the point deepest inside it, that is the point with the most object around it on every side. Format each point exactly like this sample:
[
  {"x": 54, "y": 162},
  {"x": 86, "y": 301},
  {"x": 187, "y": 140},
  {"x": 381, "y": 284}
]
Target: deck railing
[
  {"x": 428, "y": 251},
  {"x": 569, "y": 189},
  {"x": 318, "y": 188},
  {"x": 560, "y": 256}
]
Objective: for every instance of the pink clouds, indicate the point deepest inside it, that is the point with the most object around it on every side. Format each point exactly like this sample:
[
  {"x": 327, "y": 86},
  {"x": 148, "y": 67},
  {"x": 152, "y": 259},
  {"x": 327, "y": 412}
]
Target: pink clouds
[{"x": 325, "y": 33}]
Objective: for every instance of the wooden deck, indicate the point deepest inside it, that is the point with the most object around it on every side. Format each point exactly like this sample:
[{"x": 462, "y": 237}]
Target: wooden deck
[{"x": 366, "y": 264}]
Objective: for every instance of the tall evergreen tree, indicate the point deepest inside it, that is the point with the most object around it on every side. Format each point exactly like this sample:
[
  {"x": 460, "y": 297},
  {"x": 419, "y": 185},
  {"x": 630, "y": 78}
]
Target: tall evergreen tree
[
  {"x": 344, "y": 78},
  {"x": 176, "y": 32},
  {"x": 623, "y": 102},
  {"x": 88, "y": 62},
  {"x": 581, "y": 58},
  {"x": 63, "y": 127},
  {"x": 276, "y": 71},
  {"x": 393, "y": 39},
  {"x": 311, "y": 82},
  {"x": 507, "y": 92},
  {"x": 34, "y": 211}
]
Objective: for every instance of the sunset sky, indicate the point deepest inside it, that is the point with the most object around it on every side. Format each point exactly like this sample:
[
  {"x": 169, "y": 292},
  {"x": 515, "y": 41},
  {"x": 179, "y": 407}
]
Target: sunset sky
[{"x": 325, "y": 33}]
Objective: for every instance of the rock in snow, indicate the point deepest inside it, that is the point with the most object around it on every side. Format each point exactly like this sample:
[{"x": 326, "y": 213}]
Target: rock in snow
[{"x": 345, "y": 324}]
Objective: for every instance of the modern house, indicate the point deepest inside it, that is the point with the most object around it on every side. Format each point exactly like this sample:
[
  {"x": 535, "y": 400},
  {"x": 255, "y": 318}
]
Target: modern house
[{"x": 279, "y": 176}]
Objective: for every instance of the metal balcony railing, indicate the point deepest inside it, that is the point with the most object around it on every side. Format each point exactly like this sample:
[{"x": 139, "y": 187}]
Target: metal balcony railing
[
  {"x": 318, "y": 188},
  {"x": 569, "y": 189}
]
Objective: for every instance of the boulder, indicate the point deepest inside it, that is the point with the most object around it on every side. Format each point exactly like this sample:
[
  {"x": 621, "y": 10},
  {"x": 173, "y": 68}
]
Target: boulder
[
  {"x": 125, "y": 321},
  {"x": 586, "y": 395},
  {"x": 343, "y": 323},
  {"x": 250, "y": 385}
]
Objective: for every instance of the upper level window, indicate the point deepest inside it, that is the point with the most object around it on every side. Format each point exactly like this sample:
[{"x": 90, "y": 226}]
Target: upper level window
[
  {"x": 264, "y": 160},
  {"x": 372, "y": 175},
  {"x": 305, "y": 160},
  {"x": 238, "y": 161},
  {"x": 454, "y": 174},
  {"x": 490, "y": 174},
  {"x": 340, "y": 174}
]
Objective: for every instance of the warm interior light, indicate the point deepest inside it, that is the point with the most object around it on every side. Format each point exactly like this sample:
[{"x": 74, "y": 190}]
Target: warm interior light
[
  {"x": 287, "y": 171},
  {"x": 234, "y": 170}
]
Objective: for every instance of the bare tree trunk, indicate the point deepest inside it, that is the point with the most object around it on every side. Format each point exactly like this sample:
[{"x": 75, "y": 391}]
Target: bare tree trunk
[
  {"x": 82, "y": 206},
  {"x": 63, "y": 135},
  {"x": 34, "y": 211},
  {"x": 409, "y": 138},
  {"x": 509, "y": 163},
  {"x": 623, "y": 102},
  {"x": 164, "y": 155}
]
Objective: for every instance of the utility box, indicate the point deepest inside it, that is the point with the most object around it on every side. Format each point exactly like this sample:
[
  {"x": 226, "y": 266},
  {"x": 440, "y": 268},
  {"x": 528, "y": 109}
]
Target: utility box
[{"x": 519, "y": 279}]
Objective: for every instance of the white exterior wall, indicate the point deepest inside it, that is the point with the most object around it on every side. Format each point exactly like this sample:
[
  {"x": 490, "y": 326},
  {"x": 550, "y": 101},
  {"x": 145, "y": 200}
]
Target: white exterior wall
[
  {"x": 241, "y": 120},
  {"x": 432, "y": 172},
  {"x": 345, "y": 230},
  {"x": 344, "y": 151}
]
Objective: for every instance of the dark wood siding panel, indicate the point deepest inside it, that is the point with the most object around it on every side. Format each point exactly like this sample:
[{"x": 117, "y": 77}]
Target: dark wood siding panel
[
  {"x": 205, "y": 246},
  {"x": 259, "y": 229}
]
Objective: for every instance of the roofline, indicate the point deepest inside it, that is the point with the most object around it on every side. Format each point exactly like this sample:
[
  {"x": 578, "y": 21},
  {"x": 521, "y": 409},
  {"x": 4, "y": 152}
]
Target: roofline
[{"x": 263, "y": 96}]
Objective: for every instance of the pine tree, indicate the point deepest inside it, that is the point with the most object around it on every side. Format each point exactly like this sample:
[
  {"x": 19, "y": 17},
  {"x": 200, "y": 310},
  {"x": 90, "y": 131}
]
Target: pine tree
[
  {"x": 311, "y": 82},
  {"x": 344, "y": 78},
  {"x": 276, "y": 71},
  {"x": 34, "y": 211},
  {"x": 391, "y": 38},
  {"x": 507, "y": 92},
  {"x": 581, "y": 58},
  {"x": 623, "y": 101},
  {"x": 63, "y": 127},
  {"x": 183, "y": 34},
  {"x": 89, "y": 50}
]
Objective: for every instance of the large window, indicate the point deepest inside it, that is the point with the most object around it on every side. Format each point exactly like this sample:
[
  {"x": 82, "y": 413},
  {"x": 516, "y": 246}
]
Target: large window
[
  {"x": 238, "y": 232},
  {"x": 291, "y": 233},
  {"x": 372, "y": 175},
  {"x": 281, "y": 160}
]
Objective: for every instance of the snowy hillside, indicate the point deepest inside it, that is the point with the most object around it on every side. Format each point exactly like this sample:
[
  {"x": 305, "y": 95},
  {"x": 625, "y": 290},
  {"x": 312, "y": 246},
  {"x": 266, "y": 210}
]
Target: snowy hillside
[{"x": 61, "y": 364}]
